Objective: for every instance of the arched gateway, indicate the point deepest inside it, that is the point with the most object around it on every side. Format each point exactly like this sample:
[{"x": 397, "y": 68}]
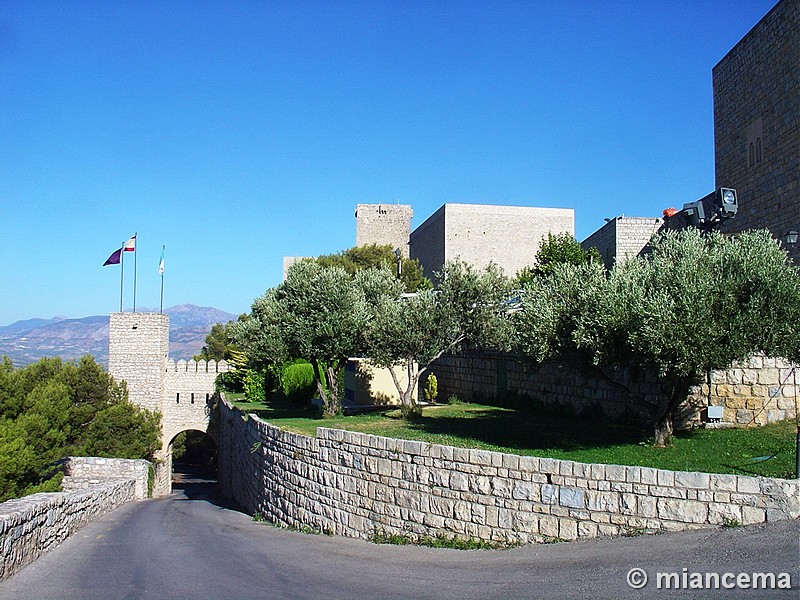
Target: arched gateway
[{"x": 138, "y": 353}]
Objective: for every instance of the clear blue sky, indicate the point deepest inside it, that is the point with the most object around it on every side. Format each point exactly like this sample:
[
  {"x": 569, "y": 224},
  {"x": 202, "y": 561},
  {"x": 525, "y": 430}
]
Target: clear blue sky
[{"x": 237, "y": 133}]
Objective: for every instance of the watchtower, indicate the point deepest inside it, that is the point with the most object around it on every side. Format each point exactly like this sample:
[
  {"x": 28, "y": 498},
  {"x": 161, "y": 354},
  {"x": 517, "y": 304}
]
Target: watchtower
[
  {"x": 138, "y": 353},
  {"x": 384, "y": 224}
]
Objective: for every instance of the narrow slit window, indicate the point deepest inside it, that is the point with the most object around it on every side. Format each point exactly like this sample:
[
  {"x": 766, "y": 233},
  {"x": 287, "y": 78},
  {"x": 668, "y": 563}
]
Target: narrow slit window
[{"x": 178, "y": 398}]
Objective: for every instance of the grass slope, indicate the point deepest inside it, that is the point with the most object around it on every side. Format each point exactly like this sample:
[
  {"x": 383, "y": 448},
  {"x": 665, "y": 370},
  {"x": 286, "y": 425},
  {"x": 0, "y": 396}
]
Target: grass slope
[{"x": 767, "y": 451}]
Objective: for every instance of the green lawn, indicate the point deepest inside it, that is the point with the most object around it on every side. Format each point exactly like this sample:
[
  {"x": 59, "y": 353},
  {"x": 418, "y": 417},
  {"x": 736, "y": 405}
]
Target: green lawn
[{"x": 535, "y": 433}]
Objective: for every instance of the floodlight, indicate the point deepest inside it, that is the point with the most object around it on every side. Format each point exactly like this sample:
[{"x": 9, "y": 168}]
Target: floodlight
[{"x": 728, "y": 202}]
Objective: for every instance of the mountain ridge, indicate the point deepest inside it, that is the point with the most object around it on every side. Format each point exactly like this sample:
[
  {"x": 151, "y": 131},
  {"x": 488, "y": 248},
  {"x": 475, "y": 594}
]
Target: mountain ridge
[{"x": 29, "y": 340}]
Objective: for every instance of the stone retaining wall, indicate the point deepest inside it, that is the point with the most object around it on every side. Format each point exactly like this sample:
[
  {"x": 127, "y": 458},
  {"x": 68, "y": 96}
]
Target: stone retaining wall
[
  {"x": 761, "y": 390},
  {"x": 353, "y": 484},
  {"x": 32, "y": 525}
]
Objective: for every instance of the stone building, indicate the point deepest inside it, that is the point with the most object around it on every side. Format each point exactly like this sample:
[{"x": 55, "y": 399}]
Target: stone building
[
  {"x": 138, "y": 348},
  {"x": 622, "y": 237},
  {"x": 757, "y": 122},
  {"x": 384, "y": 224},
  {"x": 478, "y": 234}
]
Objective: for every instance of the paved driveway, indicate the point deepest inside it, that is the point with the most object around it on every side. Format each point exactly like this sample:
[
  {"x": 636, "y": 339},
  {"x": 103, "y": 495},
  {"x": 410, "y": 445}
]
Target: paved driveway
[{"x": 191, "y": 546}]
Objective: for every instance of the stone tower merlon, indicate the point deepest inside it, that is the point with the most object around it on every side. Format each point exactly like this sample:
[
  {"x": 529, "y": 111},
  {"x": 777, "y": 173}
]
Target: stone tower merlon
[
  {"x": 138, "y": 344},
  {"x": 384, "y": 224}
]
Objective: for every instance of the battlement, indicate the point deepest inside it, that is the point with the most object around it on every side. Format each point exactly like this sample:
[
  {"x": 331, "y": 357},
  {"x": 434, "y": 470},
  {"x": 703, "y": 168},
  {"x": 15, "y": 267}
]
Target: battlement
[{"x": 200, "y": 366}]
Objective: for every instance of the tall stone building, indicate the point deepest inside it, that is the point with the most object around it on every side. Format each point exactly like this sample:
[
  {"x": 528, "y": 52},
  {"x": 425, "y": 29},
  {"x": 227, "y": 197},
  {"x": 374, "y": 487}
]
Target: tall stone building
[
  {"x": 478, "y": 234},
  {"x": 757, "y": 122},
  {"x": 384, "y": 224},
  {"x": 622, "y": 237}
]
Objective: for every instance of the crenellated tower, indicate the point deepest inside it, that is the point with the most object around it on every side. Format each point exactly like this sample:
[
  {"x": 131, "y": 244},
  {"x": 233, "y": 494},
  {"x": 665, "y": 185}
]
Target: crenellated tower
[{"x": 138, "y": 353}]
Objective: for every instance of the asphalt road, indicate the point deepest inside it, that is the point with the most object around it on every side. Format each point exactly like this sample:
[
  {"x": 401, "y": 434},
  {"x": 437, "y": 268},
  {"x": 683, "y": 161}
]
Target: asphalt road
[{"x": 191, "y": 546}]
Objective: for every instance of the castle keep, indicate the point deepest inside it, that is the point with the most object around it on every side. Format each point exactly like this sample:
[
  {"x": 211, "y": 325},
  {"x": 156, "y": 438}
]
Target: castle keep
[
  {"x": 384, "y": 224},
  {"x": 508, "y": 236},
  {"x": 138, "y": 353},
  {"x": 757, "y": 122}
]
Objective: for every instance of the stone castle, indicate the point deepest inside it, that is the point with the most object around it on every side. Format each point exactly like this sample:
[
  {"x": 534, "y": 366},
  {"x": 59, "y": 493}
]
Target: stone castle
[
  {"x": 508, "y": 236},
  {"x": 138, "y": 353}
]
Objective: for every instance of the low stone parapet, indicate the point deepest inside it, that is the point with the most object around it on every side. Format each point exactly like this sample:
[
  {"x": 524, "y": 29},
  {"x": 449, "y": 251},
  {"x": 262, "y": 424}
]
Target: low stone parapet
[
  {"x": 82, "y": 472},
  {"x": 355, "y": 484},
  {"x": 32, "y": 525}
]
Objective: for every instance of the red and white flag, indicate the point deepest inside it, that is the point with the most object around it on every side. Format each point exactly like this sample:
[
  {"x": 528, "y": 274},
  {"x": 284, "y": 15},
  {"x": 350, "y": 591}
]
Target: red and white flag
[{"x": 130, "y": 245}]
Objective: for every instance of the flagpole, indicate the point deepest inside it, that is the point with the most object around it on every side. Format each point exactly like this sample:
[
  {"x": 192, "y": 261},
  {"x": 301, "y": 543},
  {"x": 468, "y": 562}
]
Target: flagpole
[
  {"x": 121, "y": 272},
  {"x": 135, "y": 248},
  {"x": 161, "y": 268}
]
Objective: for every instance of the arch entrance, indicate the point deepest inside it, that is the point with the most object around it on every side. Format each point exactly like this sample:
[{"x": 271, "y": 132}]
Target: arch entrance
[
  {"x": 183, "y": 391},
  {"x": 194, "y": 462}
]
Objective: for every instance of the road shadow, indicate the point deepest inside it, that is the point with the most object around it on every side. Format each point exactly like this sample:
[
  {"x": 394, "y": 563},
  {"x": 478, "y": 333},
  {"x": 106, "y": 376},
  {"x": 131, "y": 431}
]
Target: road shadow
[{"x": 199, "y": 484}]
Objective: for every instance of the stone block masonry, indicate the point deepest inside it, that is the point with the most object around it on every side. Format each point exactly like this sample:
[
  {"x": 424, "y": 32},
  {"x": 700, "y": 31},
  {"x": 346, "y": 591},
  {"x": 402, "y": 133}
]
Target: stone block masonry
[
  {"x": 384, "y": 224},
  {"x": 479, "y": 234},
  {"x": 761, "y": 390},
  {"x": 32, "y": 525},
  {"x": 138, "y": 344},
  {"x": 354, "y": 484},
  {"x": 182, "y": 392},
  {"x": 757, "y": 122}
]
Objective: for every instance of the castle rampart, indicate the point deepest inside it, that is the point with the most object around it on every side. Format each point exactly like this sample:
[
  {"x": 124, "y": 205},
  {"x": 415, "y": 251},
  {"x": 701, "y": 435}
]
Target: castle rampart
[{"x": 182, "y": 391}]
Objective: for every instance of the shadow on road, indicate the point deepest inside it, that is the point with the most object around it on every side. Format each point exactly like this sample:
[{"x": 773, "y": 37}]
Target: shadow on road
[{"x": 196, "y": 483}]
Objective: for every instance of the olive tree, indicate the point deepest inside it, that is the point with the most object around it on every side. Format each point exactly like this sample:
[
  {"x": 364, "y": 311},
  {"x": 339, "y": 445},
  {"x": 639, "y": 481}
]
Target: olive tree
[
  {"x": 318, "y": 313},
  {"x": 693, "y": 304},
  {"x": 412, "y": 332}
]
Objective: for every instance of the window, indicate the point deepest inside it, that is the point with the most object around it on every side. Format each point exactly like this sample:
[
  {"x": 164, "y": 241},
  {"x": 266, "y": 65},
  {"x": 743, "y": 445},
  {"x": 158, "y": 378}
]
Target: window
[{"x": 754, "y": 134}]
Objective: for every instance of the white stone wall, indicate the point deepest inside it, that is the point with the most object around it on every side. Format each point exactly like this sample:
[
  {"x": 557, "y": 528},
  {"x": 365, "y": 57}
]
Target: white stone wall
[
  {"x": 188, "y": 395},
  {"x": 384, "y": 224},
  {"x": 182, "y": 392},
  {"x": 508, "y": 236},
  {"x": 83, "y": 472},
  {"x": 138, "y": 344},
  {"x": 32, "y": 525},
  {"x": 622, "y": 238},
  {"x": 353, "y": 484}
]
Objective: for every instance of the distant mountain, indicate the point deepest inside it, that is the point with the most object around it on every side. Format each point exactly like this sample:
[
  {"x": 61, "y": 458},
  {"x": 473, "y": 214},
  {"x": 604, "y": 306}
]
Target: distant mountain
[{"x": 27, "y": 341}]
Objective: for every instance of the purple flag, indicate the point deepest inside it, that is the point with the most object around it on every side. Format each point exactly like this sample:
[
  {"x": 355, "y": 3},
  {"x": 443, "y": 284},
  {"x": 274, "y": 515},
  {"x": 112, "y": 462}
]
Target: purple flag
[{"x": 115, "y": 258}]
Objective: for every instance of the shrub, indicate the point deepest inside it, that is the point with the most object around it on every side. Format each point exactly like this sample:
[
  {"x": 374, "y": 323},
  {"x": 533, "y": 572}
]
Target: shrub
[
  {"x": 431, "y": 389},
  {"x": 254, "y": 386},
  {"x": 297, "y": 381}
]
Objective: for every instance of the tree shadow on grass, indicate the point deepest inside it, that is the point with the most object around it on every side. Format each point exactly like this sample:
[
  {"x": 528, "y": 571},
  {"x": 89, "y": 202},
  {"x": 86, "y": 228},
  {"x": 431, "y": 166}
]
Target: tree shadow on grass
[
  {"x": 279, "y": 407},
  {"x": 529, "y": 431}
]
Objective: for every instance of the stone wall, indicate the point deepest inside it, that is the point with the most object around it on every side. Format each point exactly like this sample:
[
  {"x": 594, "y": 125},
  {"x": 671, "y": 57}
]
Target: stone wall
[
  {"x": 84, "y": 472},
  {"x": 384, "y": 224},
  {"x": 761, "y": 391},
  {"x": 354, "y": 484},
  {"x": 138, "y": 344},
  {"x": 32, "y": 525},
  {"x": 189, "y": 395},
  {"x": 508, "y": 236},
  {"x": 757, "y": 122},
  {"x": 622, "y": 237},
  {"x": 183, "y": 392}
]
